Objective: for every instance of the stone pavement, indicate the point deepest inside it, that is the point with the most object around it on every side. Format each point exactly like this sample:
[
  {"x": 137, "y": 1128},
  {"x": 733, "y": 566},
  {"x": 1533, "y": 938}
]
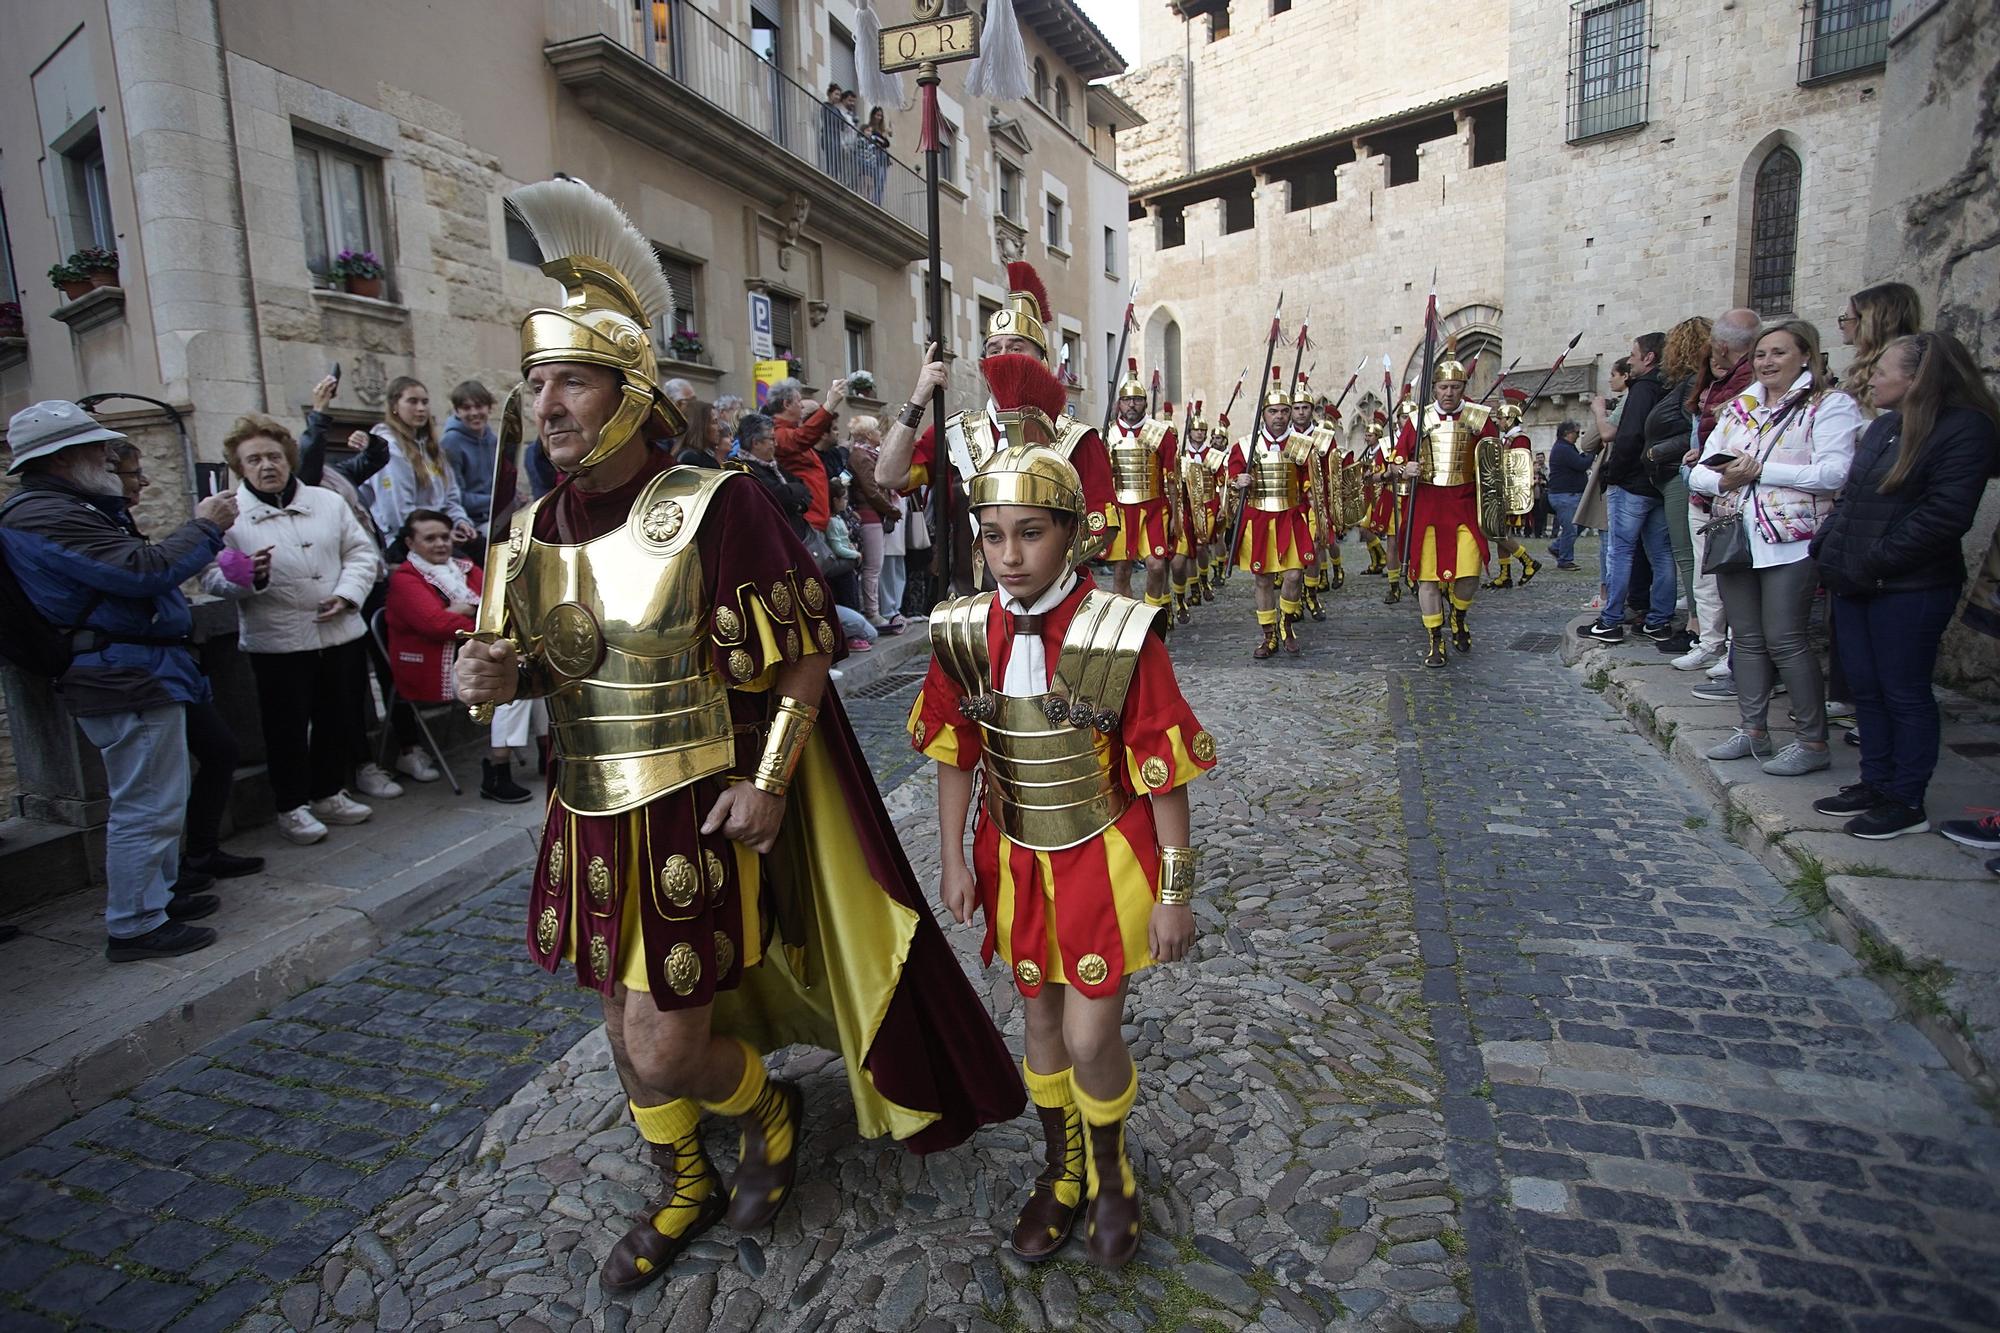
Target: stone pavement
[
  {"x": 1490, "y": 1026},
  {"x": 1922, "y": 912}
]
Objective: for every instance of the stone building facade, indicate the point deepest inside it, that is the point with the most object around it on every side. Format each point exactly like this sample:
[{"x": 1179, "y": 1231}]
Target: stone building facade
[{"x": 228, "y": 149}]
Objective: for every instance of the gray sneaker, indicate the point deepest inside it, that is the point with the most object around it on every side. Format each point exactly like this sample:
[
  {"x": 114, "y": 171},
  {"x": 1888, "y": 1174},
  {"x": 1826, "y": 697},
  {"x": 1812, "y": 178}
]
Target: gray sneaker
[
  {"x": 1795, "y": 760},
  {"x": 1742, "y": 745}
]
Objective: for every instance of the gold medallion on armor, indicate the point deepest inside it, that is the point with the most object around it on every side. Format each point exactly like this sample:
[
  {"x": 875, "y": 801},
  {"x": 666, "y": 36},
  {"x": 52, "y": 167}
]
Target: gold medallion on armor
[
  {"x": 1029, "y": 972},
  {"x": 598, "y": 880},
  {"x": 712, "y": 864},
  {"x": 1081, "y": 713},
  {"x": 683, "y": 969},
  {"x": 555, "y": 860},
  {"x": 814, "y": 595},
  {"x": 517, "y": 541},
  {"x": 725, "y": 955},
  {"x": 571, "y": 641},
  {"x": 600, "y": 959},
  {"x": 825, "y": 636},
  {"x": 1203, "y": 747},
  {"x": 1091, "y": 969},
  {"x": 547, "y": 928},
  {"x": 1096, "y": 521},
  {"x": 781, "y": 600},
  {"x": 793, "y": 645},
  {"x": 740, "y": 664},
  {"x": 677, "y": 880},
  {"x": 728, "y": 625},
  {"x": 663, "y": 520},
  {"x": 1155, "y": 772}
]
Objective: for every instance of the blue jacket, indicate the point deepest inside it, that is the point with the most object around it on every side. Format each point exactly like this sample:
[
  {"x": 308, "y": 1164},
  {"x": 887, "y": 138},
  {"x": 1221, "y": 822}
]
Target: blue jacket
[
  {"x": 472, "y": 460},
  {"x": 1569, "y": 470},
  {"x": 81, "y": 564}
]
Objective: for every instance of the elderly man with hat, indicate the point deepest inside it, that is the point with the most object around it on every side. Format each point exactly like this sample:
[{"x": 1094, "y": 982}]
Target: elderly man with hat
[{"x": 132, "y": 671}]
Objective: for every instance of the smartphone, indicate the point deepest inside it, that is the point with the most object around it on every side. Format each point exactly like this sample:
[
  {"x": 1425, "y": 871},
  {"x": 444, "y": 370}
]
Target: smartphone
[
  {"x": 336, "y": 374},
  {"x": 1718, "y": 461}
]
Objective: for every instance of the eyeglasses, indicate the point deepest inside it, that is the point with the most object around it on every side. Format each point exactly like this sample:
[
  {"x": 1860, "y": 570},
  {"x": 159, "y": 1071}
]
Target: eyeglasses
[
  {"x": 1844, "y": 320},
  {"x": 139, "y": 475}
]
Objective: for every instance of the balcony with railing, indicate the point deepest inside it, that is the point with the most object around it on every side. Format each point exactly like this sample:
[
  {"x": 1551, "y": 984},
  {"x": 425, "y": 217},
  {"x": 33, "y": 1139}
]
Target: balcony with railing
[{"x": 673, "y": 78}]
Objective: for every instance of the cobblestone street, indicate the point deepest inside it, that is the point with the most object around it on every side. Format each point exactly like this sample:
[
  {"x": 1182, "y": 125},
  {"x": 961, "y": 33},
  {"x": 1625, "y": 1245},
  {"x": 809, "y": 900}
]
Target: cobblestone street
[{"x": 1490, "y": 1026}]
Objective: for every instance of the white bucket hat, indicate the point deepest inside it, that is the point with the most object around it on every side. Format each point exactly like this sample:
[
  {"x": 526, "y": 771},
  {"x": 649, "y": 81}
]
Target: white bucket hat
[{"x": 50, "y": 427}]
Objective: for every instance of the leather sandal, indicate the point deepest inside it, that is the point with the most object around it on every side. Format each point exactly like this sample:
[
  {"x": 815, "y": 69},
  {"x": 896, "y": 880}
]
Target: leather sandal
[
  {"x": 761, "y": 1186},
  {"x": 1046, "y": 1221},
  {"x": 642, "y": 1255},
  {"x": 1111, "y": 1220}
]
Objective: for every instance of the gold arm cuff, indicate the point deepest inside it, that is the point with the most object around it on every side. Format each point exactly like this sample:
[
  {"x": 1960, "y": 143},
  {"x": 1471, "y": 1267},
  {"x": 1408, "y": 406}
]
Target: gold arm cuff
[
  {"x": 791, "y": 726},
  {"x": 1178, "y": 868}
]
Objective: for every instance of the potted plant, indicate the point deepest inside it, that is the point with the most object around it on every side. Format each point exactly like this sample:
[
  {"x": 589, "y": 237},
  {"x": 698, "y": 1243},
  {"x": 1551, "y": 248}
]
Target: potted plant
[
  {"x": 10, "y": 320},
  {"x": 685, "y": 345},
  {"x": 70, "y": 278},
  {"x": 99, "y": 266},
  {"x": 861, "y": 384},
  {"x": 795, "y": 366},
  {"x": 360, "y": 272}
]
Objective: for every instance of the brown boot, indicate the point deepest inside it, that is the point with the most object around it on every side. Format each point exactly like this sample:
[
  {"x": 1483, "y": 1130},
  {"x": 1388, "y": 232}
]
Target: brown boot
[
  {"x": 644, "y": 1253},
  {"x": 1111, "y": 1221},
  {"x": 761, "y": 1185},
  {"x": 1267, "y": 644},
  {"x": 1046, "y": 1220}
]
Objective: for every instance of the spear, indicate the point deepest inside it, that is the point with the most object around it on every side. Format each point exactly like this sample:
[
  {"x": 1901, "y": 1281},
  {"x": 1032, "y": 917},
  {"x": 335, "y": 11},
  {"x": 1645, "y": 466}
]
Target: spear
[
  {"x": 1257, "y": 423},
  {"x": 1299, "y": 356},
  {"x": 1352, "y": 380},
  {"x": 1223, "y": 419},
  {"x": 1111, "y": 382},
  {"x": 1552, "y": 370},
  {"x": 1494, "y": 387},
  {"x": 1417, "y": 423},
  {"x": 1153, "y": 398}
]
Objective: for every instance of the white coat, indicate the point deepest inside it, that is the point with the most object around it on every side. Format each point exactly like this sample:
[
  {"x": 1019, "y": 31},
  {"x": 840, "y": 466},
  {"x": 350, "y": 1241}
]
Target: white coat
[{"x": 318, "y": 550}]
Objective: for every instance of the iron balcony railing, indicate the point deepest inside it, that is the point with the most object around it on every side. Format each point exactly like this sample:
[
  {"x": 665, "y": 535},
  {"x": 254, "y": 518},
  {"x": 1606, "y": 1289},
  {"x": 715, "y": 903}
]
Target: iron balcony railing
[
  {"x": 1840, "y": 37},
  {"x": 723, "y": 70}
]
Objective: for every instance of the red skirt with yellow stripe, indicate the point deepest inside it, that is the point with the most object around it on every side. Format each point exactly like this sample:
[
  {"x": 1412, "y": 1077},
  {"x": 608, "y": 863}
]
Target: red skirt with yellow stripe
[
  {"x": 1445, "y": 539},
  {"x": 1276, "y": 543},
  {"x": 1142, "y": 531}
]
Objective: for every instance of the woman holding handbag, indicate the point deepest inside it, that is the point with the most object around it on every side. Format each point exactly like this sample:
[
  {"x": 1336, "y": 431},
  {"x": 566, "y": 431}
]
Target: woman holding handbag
[{"x": 1779, "y": 455}]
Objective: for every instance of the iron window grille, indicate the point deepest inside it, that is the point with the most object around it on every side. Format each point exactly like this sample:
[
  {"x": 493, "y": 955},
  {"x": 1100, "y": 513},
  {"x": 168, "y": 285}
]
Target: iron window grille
[
  {"x": 1842, "y": 37},
  {"x": 1609, "y": 44},
  {"x": 1774, "y": 233}
]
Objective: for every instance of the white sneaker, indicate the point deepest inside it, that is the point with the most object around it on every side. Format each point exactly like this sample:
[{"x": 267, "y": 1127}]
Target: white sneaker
[
  {"x": 374, "y": 780},
  {"x": 1721, "y": 667},
  {"x": 300, "y": 827},
  {"x": 414, "y": 763},
  {"x": 1836, "y": 708},
  {"x": 1697, "y": 658},
  {"x": 340, "y": 808}
]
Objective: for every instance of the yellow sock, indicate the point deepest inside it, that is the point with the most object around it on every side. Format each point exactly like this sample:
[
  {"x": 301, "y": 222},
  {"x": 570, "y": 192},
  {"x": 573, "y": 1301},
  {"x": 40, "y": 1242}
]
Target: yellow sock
[
  {"x": 673, "y": 1125},
  {"x": 1266, "y": 618},
  {"x": 1156, "y": 599},
  {"x": 1290, "y": 606},
  {"x": 1056, "y": 1092},
  {"x": 1462, "y": 603},
  {"x": 1433, "y": 620},
  {"x": 754, "y": 1095},
  {"x": 1112, "y": 1112}
]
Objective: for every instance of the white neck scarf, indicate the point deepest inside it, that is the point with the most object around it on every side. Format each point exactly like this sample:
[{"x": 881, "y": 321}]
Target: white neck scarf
[
  {"x": 1027, "y": 660},
  {"x": 448, "y": 578}
]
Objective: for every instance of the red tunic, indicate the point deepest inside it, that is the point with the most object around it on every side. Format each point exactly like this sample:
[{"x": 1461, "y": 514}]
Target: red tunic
[
  {"x": 1142, "y": 527},
  {"x": 1444, "y": 519},
  {"x": 1089, "y": 457},
  {"x": 1273, "y": 542},
  {"x": 1052, "y": 908}
]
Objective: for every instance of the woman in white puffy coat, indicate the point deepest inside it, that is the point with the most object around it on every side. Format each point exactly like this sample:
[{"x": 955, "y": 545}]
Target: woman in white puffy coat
[{"x": 300, "y": 625}]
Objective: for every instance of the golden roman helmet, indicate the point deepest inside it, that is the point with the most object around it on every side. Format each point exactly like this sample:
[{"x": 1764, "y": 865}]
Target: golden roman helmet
[
  {"x": 1275, "y": 395},
  {"x": 1027, "y": 472},
  {"x": 1508, "y": 414},
  {"x": 1132, "y": 386},
  {"x": 1196, "y": 421},
  {"x": 1026, "y": 313},
  {"x": 1451, "y": 369},
  {"x": 1302, "y": 392},
  {"x": 613, "y": 291}
]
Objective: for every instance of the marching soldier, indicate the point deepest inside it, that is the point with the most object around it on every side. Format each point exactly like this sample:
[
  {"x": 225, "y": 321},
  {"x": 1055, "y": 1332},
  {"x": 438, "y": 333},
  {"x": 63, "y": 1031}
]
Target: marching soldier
[
  {"x": 1267, "y": 469},
  {"x": 1143, "y": 454},
  {"x": 1519, "y": 466},
  {"x": 1199, "y": 502},
  {"x": 710, "y": 803},
  {"x": 1374, "y": 463},
  {"x": 1440, "y": 452}
]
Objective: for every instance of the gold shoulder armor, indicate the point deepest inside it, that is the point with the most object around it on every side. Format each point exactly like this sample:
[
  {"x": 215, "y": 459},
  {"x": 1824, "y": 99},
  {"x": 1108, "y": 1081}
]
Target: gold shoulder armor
[
  {"x": 1070, "y": 434},
  {"x": 1100, "y": 651},
  {"x": 958, "y": 637},
  {"x": 669, "y": 511},
  {"x": 1474, "y": 416}
]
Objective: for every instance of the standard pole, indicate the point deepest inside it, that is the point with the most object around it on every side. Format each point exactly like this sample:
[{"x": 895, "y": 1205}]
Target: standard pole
[{"x": 943, "y": 531}]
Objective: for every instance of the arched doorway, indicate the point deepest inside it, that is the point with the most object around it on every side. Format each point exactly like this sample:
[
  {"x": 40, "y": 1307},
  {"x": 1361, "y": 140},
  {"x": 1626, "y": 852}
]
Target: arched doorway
[{"x": 1477, "y": 330}]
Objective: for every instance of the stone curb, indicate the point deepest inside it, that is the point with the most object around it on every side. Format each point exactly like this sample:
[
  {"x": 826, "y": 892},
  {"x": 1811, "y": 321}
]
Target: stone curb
[{"x": 1922, "y": 905}]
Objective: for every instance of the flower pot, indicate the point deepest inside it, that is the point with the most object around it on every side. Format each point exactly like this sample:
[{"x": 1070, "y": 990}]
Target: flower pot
[
  {"x": 75, "y": 289},
  {"x": 368, "y": 287},
  {"x": 100, "y": 277}
]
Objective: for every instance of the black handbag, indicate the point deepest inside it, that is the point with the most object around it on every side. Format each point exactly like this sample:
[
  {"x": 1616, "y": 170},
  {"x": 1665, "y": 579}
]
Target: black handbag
[{"x": 1726, "y": 548}]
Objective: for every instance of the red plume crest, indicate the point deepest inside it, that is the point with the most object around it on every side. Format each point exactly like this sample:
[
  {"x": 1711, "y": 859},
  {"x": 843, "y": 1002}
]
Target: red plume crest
[
  {"x": 1019, "y": 380},
  {"x": 1021, "y": 277}
]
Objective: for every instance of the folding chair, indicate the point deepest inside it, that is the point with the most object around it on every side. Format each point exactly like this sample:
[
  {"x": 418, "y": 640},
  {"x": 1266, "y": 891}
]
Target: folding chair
[{"x": 378, "y": 633}]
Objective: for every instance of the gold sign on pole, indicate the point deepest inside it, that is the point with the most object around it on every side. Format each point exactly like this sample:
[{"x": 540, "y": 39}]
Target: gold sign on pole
[{"x": 938, "y": 40}]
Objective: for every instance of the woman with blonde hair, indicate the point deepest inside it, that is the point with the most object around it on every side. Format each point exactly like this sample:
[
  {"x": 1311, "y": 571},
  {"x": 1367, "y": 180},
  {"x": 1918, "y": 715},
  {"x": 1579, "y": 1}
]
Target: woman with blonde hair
[
  {"x": 877, "y": 511},
  {"x": 1779, "y": 455},
  {"x": 418, "y": 475},
  {"x": 1875, "y": 317},
  {"x": 1669, "y": 427}
]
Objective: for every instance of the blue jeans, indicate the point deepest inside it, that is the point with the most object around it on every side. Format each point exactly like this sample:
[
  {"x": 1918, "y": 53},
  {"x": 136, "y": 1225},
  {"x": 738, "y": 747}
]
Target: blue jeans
[
  {"x": 146, "y": 768},
  {"x": 1637, "y": 522},
  {"x": 1563, "y": 504},
  {"x": 1889, "y": 646}
]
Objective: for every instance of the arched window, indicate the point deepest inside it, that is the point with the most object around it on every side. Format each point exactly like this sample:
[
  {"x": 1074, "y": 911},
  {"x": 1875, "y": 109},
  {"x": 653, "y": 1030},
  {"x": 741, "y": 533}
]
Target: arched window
[
  {"x": 1774, "y": 232},
  {"x": 1172, "y": 342},
  {"x": 1062, "y": 102},
  {"x": 1041, "y": 84}
]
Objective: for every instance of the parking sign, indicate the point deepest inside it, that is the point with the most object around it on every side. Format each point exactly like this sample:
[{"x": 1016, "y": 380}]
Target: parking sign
[{"x": 760, "y": 326}]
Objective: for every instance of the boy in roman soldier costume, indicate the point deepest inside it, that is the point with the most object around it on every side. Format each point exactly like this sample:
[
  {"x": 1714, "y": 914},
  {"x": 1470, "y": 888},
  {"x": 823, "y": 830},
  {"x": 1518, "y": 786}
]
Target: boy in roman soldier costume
[
  {"x": 1082, "y": 863},
  {"x": 1450, "y": 452},
  {"x": 1518, "y": 463},
  {"x": 716, "y": 862},
  {"x": 1143, "y": 452},
  {"x": 1022, "y": 327},
  {"x": 1268, "y": 468}
]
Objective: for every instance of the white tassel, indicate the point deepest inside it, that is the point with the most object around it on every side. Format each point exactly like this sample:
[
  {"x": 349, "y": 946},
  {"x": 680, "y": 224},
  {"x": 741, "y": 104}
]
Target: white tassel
[
  {"x": 876, "y": 88},
  {"x": 1000, "y": 73},
  {"x": 569, "y": 218}
]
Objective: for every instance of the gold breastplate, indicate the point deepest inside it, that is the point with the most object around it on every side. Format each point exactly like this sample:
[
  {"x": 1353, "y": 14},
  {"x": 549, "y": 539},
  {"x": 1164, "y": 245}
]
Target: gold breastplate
[
  {"x": 621, "y": 623},
  {"x": 1049, "y": 777},
  {"x": 1445, "y": 453},
  {"x": 1274, "y": 480},
  {"x": 1135, "y": 463}
]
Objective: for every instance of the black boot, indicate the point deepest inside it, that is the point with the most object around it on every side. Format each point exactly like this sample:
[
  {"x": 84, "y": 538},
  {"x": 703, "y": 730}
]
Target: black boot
[
  {"x": 1461, "y": 631},
  {"x": 1434, "y": 649},
  {"x": 496, "y": 783},
  {"x": 1395, "y": 593}
]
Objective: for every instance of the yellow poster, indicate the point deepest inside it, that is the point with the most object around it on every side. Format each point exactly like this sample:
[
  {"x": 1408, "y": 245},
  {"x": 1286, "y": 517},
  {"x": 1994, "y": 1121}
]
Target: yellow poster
[{"x": 768, "y": 373}]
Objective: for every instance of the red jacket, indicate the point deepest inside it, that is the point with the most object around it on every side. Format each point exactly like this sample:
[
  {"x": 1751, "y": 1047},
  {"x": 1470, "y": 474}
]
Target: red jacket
[
  {"x": 798, "y": 456},
  {"x": 423, "y": 635}
]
